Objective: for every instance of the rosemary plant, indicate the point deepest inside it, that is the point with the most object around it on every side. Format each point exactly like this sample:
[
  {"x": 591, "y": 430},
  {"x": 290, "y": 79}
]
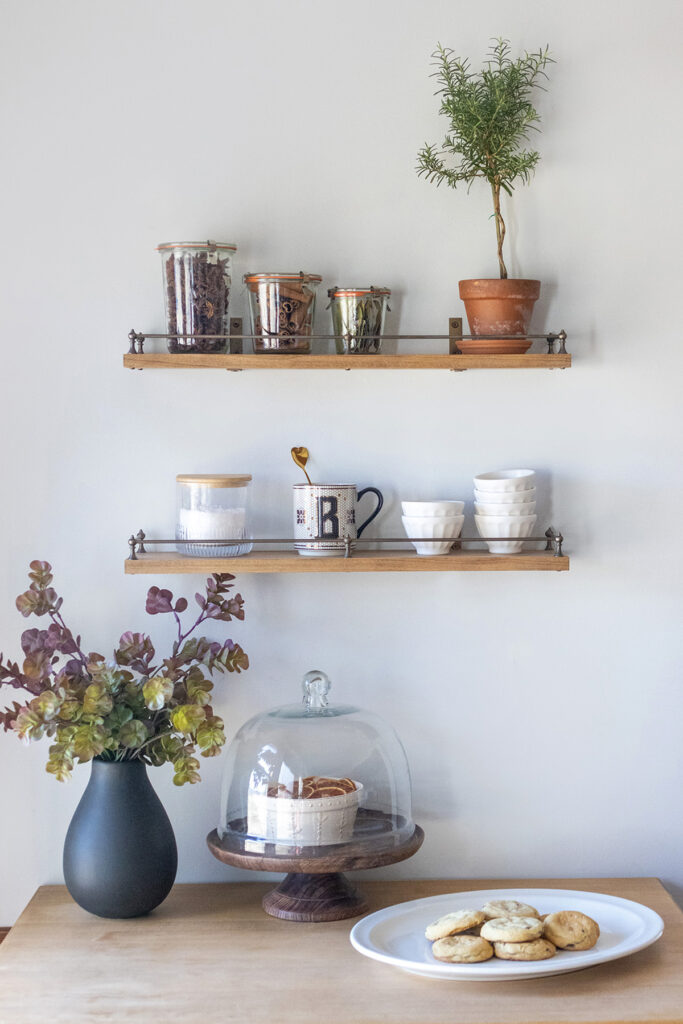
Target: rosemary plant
[{"x": 490, "y": 116}]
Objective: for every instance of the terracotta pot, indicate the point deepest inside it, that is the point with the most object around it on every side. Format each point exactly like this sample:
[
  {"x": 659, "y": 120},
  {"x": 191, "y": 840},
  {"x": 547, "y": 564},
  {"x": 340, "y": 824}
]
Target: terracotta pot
[{"x": 498, "y": 308}]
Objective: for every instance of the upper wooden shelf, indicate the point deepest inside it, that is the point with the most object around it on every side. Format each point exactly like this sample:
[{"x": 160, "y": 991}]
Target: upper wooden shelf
[
  {"x": 171, "y": 562},
  {"x": 292, "y": 361}
]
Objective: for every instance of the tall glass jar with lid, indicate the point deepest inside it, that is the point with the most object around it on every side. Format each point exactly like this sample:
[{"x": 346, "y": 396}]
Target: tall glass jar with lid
[
  {"x": 213, "y": 515},
  {"x": 197, "y": 277}
]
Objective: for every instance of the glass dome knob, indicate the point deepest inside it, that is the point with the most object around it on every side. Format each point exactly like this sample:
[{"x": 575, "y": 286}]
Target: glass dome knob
[{"x": 316, "y": 685}]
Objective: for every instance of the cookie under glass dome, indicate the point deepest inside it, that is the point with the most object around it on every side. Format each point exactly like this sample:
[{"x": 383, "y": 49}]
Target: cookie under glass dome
[{"x": 316, "y": 754}]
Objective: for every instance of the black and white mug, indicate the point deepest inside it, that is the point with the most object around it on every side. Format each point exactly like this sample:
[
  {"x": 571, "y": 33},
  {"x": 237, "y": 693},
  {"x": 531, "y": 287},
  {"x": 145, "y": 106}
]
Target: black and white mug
[{"x": 325, "y": 516}]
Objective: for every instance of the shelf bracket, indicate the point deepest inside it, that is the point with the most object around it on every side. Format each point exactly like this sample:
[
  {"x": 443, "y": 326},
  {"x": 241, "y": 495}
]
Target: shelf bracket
[
  {"x": 235, "y": 348},
  {"x": 454, "y": 335}
]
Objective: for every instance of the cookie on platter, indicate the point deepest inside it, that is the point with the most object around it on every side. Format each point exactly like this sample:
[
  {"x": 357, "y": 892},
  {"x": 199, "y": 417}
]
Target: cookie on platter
[
  {"x": 449, "y": 924},
  {"x": 462, "y": 949},
  {"x": 570, "y": 929},
  {"x": 512, "y": 929},
  {"x": 537, "y": 949},
  {"x": 508, "y": 908}
]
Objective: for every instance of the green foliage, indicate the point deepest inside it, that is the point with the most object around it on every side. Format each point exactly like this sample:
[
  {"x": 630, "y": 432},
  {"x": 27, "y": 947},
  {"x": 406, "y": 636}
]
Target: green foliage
[
  {"x": 125, "y": 709},
  {"x": 490, "y": 116}
]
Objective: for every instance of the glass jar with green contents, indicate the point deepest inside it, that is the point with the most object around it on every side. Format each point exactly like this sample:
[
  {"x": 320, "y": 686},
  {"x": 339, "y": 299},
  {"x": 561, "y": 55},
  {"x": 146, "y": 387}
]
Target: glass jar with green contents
[{"x": 358, "y": 316}]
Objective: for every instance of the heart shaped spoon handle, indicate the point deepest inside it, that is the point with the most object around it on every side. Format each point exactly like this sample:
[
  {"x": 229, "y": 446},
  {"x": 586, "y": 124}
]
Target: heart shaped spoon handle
[{"x": 300, "y": 456}]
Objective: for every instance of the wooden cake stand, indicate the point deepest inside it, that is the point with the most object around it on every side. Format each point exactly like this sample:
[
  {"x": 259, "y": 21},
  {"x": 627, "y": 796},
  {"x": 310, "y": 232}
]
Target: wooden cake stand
[{"x": 314, "y": 888}]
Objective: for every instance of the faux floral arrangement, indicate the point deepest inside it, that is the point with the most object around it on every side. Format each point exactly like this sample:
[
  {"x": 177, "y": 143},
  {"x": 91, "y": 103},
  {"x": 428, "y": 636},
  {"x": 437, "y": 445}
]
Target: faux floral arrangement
[{"x": 128, "y": 708}]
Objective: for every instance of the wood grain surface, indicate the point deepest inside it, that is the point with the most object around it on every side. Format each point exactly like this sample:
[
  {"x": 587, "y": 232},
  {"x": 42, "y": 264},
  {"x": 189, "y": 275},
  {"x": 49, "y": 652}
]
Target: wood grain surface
[
  {"x": 210, "y": 954},
  {"x": 292, "y": 361},
  {"x": 362, "y": 561}
]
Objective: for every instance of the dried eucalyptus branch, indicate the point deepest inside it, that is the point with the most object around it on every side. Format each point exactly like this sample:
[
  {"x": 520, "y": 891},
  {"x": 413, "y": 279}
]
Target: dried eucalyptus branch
[{"x": 125, "y": 709}]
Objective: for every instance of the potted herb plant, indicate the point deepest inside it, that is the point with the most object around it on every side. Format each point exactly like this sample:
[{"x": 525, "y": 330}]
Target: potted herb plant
[
  {"x": 122, "y": 714},
  {"x": 490, "y": 117}
]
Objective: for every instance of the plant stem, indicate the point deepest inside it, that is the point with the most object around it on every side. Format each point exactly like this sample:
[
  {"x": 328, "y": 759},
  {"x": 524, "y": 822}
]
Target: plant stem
[
  {"x": 500, "y": 227},
  {"x": 59, "y": 621},
  {"x": 151, "y": 739}
]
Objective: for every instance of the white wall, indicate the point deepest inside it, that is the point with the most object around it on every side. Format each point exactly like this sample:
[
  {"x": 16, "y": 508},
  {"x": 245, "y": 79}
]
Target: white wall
[{"x": 539, "y": 712}]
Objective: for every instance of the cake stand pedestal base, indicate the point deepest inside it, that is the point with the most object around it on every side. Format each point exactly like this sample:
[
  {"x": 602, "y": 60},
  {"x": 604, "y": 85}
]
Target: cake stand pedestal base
[
  {"x": 315, "y": 889},
  {"x": 306, "y": 897}
]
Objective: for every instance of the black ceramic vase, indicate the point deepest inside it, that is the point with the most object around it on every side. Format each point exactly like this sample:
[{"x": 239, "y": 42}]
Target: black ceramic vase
[{"x": 120, "y": 855}]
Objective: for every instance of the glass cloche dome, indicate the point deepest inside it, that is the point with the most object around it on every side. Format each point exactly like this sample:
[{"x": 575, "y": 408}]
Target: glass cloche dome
[{"x": 305, "y": 778}]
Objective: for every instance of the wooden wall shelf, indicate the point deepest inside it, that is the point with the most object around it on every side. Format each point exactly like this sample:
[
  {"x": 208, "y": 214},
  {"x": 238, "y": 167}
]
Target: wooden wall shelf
[
  {"x": 291, "y": 361},
  {"x": 170, "y": 562}
]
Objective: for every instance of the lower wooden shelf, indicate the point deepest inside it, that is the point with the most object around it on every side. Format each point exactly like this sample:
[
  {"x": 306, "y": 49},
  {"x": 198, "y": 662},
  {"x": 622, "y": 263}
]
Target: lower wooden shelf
[{"x": 170, "y": 562}]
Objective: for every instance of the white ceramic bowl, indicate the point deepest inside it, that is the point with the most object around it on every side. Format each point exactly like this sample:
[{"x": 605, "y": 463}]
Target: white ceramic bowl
[
  {"x": 317, "y": 822},
  {"x": 516, "y": 508},
  {"x": 432, "y": 508},
  {"x": 505, "y": 526},
  {"x": 506, "y": 480},
  {"x": 504, "y": 497},
  {"x": 437, "y": 533}
]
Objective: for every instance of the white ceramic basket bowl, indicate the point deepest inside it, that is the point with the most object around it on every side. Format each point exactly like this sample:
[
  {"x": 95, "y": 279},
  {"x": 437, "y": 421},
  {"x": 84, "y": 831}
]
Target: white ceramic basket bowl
[
  {"x": 516, "y": 508},
  {"x": 505, "y": 497},
  {"x": 505, "y": 526},
  {"x": 432, "y": 508},
  {"x": 506, "y": 480},
  {"x": 439, "y": 528},
  {"x": 321, "y": 822}
]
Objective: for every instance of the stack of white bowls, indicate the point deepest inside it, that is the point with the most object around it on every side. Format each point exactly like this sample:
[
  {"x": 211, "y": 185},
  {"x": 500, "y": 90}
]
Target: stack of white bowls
[
  {"x": 434, "y": 525},
  {"x": 504, "y": 506}
]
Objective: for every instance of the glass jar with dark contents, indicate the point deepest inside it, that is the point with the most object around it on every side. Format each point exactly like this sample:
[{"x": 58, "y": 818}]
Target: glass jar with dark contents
[{"x": 197, "y": 279}]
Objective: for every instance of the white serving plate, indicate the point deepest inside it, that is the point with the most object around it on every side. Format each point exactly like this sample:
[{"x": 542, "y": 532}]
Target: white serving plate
[{"x": 396, "y": 935}]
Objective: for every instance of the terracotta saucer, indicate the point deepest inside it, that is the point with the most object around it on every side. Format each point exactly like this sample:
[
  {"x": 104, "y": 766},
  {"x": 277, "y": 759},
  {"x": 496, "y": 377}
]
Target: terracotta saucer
[{"x": 494, "y": 346}]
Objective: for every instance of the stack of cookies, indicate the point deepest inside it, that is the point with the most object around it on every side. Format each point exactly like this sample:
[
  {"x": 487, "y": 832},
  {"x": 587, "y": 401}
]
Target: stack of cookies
[{"x": 509, "y": 930}]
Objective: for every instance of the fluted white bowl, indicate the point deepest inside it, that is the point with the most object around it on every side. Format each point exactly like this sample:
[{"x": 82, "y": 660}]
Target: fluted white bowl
[
  {"x": 505, "y": 526},
  {"x": 436, "y": 533},
  {"x": 505, "y": 497},
  {"x": 432, "y": 508},
  {"x": 513, "y": 508},
  {"x": 506, "y": 480}
]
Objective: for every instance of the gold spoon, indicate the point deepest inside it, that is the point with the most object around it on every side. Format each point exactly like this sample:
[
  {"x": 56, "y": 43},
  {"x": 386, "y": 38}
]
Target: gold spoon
[{"x": 300, "y": 456}]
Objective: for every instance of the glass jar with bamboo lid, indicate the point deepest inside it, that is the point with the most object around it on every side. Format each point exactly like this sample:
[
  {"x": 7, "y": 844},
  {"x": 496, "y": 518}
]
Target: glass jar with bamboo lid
[{"x": 213, "y": 517}]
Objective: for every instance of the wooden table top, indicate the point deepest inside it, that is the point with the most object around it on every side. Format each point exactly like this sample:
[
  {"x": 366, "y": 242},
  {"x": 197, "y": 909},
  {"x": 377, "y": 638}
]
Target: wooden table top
[{"x": 210, "y": 954}]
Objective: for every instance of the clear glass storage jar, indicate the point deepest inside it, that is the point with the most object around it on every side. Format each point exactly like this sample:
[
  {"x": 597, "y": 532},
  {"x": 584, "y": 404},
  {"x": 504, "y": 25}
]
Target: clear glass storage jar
[
  {"x": 281, "y": 304},
  {"x": 358, "y": 316},
  {"x": 197, "y": 279},
  {"x": 213, "y": 507},
  {"x": 315, "y": 774}
]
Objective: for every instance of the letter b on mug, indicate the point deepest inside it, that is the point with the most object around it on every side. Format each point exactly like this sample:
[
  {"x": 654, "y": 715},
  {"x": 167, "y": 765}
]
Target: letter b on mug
[
  {"x": 325, "y": 515},
  {"x": 328, "y": 519}
]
